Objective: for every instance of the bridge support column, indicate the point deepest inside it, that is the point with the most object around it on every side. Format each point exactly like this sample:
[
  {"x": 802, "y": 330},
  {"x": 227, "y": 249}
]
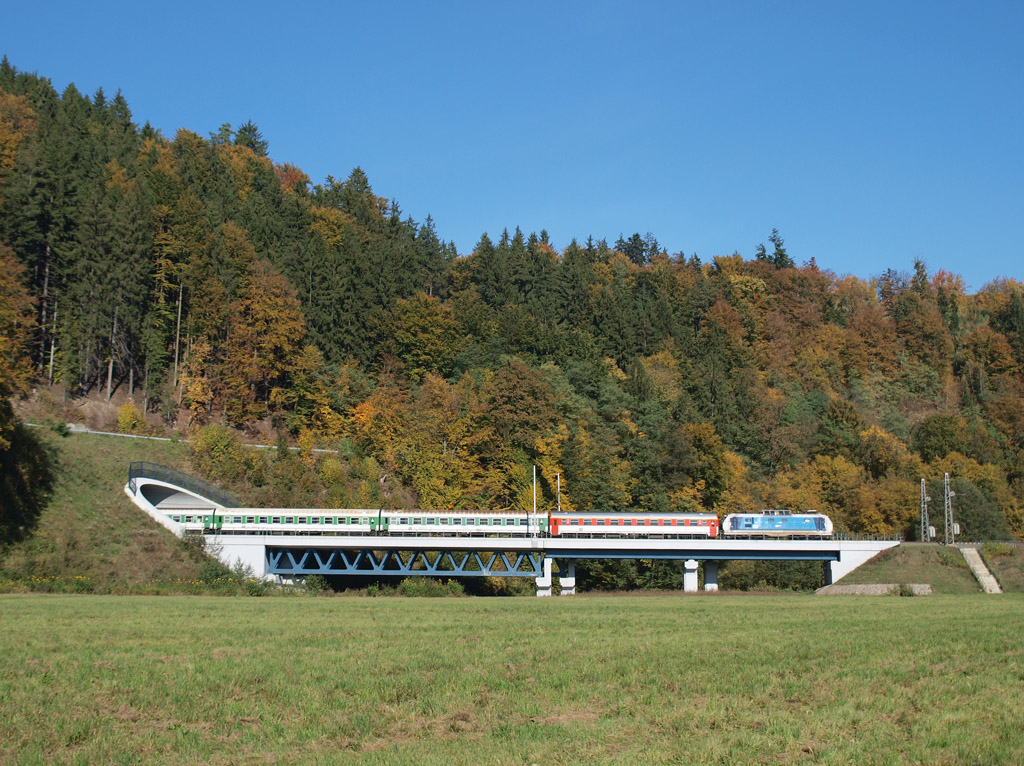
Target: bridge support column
[
  {"x": 827, "y": 565},
  {"x": 690, "y": 575},
  {"x": 544, "y": 581},
  {"x": 710, "y": 575},
  {"x": 567, "y": 580}
]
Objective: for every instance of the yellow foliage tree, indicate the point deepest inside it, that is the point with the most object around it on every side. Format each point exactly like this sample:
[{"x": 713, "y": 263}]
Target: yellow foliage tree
[{"x": 885, "y": 455}]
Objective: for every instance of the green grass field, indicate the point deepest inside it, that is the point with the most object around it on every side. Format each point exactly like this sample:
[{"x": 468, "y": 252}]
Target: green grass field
[{"x": 612, "y": 679}]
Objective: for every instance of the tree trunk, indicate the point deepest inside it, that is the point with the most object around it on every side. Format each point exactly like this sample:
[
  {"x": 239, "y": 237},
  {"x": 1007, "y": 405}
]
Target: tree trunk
[
  {"x": 53, "y": 341},
  {"x": 42, "y": 319},
  {"x": 177, "y": 336},
  {"x": 110, "y": 362}
]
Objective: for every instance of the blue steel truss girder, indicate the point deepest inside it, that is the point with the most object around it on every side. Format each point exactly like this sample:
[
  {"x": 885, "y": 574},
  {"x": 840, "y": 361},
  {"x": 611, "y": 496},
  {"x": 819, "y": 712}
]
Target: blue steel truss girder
[
  {"x": 416, "y": 563},
  {"x": 701, "y": 554}
]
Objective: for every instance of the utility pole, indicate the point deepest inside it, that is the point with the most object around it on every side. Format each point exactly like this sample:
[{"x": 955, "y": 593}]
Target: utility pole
[
  {"x": 951, "y": 528},
  {"x": 925, "y": 537}
]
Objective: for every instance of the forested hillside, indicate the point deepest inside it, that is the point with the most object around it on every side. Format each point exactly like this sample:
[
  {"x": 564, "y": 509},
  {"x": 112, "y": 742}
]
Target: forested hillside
[{"x": 217, "y": 286}]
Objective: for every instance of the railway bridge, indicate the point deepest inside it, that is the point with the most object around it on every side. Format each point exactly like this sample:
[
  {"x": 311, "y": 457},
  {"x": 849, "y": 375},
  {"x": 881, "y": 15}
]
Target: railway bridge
[{"x": 166, "y": 495}]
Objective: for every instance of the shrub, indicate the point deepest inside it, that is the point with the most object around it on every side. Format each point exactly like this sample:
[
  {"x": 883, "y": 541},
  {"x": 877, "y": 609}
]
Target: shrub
[
  {"x": 429, "y": 587},
  {"x": 994, "y": 550},
  {"x": 129, "y": 419},
  {"x": 951, "y": 558},
  {"x": 316, "y": 584}
]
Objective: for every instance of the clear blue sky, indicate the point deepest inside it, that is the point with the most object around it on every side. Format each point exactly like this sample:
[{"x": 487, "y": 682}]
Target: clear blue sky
[{"x": 869, "y": 133}]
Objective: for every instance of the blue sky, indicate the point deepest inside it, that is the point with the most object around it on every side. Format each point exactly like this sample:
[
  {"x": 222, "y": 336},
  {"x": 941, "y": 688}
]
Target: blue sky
[{"x": 868, "y": 133}]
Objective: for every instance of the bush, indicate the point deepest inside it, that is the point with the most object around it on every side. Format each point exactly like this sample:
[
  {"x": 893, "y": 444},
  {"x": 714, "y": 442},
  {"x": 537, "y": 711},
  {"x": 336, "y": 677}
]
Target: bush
[
  {"x": 952, "y": 558},
  {"x": 217, "y": 454},
  {"x": 129, "y": 419},
  {"x": 994, "y": 550},
  {"x": 316, "y": 584},
  {"x": 429, "y": 587}
]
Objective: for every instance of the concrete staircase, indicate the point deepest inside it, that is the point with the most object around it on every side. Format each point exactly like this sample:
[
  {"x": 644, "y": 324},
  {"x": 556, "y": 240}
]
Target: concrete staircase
[{"x": 977, "y": 565}]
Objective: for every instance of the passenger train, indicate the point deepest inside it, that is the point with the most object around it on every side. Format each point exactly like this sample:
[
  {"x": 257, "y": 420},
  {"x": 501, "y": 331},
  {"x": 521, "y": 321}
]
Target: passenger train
[{"x": 311, "y": 521}]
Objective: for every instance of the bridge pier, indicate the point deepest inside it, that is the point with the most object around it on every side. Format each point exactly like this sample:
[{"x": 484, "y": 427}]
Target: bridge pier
[
  {"x": 544, "y": 581},
  {"x": 567, "y": 579},
  {"x": 690, "y": 575},
  {"x": 710, "y": 575}
]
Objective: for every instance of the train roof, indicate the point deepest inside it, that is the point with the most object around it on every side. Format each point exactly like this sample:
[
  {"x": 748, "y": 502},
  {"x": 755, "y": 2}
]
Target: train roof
[{"x": 778, "y": 512}]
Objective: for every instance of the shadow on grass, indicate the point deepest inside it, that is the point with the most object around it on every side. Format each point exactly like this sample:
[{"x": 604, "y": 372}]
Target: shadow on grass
[{"x": 27, "y": 474}]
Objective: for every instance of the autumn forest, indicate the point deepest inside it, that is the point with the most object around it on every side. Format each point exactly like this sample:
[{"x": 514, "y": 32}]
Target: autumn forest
[{"x": 220, "y": 293}]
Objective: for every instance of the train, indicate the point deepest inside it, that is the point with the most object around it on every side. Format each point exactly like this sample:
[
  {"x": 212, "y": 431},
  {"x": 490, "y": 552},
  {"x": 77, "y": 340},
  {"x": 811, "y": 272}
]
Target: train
[
  {"x": 312, "y": 521},
  {"x": 777, "y": 523}
]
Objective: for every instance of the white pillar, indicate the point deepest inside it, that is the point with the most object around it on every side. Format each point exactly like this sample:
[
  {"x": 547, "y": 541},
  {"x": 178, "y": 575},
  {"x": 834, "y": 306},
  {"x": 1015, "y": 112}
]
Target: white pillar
[
  {"x": 567, "y": 581},
  {"x": 544, "y": 581},
  {"x": 690, "y": 576},
  {"x": 710, "y": 575}
]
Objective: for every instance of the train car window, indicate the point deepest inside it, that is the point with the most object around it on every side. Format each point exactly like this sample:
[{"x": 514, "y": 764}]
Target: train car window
[
  {"x": 263, "y": 519},
  {"x": 404, "y": 521},
  {"x": 457, "y": 522},
  {"x": 289, "y": 519},
  {"x": 302, "y": 519},
  {"x": 276, "y": 519},
  {"x": 314, "y": 519},
  {"x": 250, "y": 519}
]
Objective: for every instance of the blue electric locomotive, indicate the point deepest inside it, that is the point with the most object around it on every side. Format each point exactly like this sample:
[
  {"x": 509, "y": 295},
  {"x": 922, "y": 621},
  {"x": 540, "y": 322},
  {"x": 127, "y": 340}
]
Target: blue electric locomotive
[{"x": 777, "y": 523}]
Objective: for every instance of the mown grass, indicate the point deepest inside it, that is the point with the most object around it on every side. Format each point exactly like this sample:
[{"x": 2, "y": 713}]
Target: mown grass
[
  {"x": 944, "y": 568},
  {"x": 655, "y": 679}
]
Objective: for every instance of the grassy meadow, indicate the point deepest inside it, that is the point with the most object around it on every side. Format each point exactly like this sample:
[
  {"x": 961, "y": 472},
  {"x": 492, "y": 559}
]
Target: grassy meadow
[{"x": 593, "y": 679}]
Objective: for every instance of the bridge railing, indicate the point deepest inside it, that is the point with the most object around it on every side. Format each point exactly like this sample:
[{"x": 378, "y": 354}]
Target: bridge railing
[
  {"x": 180, "y": 479},
  {"x": 866, "y": 536}
]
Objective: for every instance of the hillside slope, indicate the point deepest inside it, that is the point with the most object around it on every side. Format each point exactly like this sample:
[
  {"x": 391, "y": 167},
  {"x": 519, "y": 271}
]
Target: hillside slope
[
  {"x": 943, "y": 568},
  {"x": 90, "y": 533}
]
